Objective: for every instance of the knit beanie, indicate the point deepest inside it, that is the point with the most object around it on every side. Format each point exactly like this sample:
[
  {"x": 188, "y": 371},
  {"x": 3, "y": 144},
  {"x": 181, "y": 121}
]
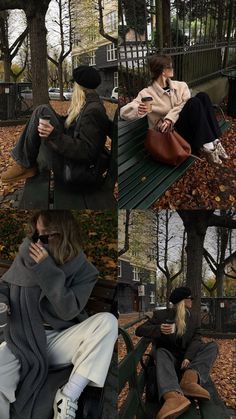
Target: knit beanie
[
  {"x": 87, "y": 76},
  {"x": 179, "y": 294}
]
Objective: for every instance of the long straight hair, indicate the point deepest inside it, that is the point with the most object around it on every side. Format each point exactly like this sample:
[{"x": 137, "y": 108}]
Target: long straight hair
[
  {"x": 180, "y": 318},
  {"x": 77, "y": 102},
  {"x": 66, "y": 245}
]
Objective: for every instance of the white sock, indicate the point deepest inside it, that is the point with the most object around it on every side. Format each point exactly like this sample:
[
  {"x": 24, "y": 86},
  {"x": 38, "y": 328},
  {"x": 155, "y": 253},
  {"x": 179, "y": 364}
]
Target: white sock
[
  {"x": 209, "y": 146},
  {"x": 75, "y": 386}
]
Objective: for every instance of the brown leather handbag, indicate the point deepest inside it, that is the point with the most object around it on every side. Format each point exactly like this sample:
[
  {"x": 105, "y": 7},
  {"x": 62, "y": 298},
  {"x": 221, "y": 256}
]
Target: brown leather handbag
[{"x": 167, "y": 147}]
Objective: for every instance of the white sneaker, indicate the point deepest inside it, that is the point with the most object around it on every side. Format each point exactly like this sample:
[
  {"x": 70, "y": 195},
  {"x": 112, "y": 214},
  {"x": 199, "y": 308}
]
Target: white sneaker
[
  {"x": 212, "y": 156},
  {"x": 64, "y": 407},
  {"x": 221, "y": 151}
]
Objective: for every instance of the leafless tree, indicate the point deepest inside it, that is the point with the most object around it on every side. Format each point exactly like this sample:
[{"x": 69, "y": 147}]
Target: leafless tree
[
  {"x": 9, "y": 52},
  {"x": 63, "y": 28},
  {"x": 35, "y": 14}
]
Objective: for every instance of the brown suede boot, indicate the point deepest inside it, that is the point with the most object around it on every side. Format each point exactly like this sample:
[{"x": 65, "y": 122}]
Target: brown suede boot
[
  {"x": 17, "y": 172},
  {"x": 175, "y": 404},
  {"x": 191, "y": 388}
]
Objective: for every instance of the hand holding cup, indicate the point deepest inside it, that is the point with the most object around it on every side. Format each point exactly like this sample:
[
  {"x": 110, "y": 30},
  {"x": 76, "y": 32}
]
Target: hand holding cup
[
  {"x": 44, "y": 127},
  {"x": 168, "y": 327}
]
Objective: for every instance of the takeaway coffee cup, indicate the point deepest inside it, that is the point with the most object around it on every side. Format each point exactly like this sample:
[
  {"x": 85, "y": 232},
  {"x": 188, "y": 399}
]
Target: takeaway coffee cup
[
  {"x": 44, "y": 119},
  {"x": 172, "y": 324},
  {"x": 3, "y": 314},
  {"x": 147, "y": 100}
]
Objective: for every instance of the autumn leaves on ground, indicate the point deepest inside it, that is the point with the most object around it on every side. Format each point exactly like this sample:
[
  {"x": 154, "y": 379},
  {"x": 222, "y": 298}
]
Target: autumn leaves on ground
[{"x": 223, "y": 372}]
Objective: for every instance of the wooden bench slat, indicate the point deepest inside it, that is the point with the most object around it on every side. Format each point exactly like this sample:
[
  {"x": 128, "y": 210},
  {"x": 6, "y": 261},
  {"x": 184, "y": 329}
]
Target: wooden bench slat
[
  {"x": 144, "y": 195},
  {"x": 141, "y": 173}
]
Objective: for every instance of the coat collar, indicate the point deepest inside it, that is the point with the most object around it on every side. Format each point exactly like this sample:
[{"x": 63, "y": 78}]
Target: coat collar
[
  {"x": 161, "y": 91},
  {"x": 92, "y": 97}
]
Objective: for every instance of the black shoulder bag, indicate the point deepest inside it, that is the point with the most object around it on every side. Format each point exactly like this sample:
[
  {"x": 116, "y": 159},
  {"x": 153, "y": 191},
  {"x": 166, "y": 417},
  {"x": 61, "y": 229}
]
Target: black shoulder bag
[{"x": 87, "y": 174}]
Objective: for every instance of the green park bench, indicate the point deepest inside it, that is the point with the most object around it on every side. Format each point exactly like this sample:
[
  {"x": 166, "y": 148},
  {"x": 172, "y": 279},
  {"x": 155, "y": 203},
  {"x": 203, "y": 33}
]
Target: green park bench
[
  {"x": 141, "y": 179},
  {"x": 43, "y": 191},
  {"x": 93, "y": 400},
  {"x": 137, "y": 404}
]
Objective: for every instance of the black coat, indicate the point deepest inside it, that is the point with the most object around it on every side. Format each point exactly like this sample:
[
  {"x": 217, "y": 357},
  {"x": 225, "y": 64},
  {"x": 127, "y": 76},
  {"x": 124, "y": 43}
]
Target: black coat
[
  {"x": 185, "y": 347},
  {"x": 86, "y": 138}
]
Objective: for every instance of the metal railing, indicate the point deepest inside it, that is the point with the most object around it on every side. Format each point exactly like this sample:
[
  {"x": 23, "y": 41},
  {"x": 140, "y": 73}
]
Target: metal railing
[{"x": 199, "y": 35}]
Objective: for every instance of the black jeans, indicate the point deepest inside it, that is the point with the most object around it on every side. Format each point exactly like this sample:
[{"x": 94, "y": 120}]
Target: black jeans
[
  {"x": 30, "y": 144},
  {"x": 167, "y": 366},
  {"x": 197, "y": 122}
]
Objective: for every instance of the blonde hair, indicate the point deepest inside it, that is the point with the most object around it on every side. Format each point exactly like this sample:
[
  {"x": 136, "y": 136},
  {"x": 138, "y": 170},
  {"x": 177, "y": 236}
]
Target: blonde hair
[
  {"x": 67, "y": 244},
  {"x": 77, "y": 102},
  {"x": 180, "y": 318}
]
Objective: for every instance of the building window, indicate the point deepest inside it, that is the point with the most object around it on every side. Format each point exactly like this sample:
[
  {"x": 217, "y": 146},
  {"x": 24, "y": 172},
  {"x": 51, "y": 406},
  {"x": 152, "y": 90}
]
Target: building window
[
  {"x": 92, "y": 58},
  {"x": 136, "y": 274},
  {"x": 152, "y": 278},
  {"x": 116, "y": 79},
  {"x": 152, "y": 297},
  {"x": 111, "y": 22},
  {"x": 111, "y": 52},
  {"x": 92, "y": 35},
  {"x": 152, "y": 254},
  {"x": 119, "y": 269}
]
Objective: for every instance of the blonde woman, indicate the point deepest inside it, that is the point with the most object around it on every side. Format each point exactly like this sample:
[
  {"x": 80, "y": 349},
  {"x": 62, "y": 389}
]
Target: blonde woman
[
  {"x": 179, "y": 349},
  {"x": 46, "y": 290},
  {"x": 79, "y": 138}
]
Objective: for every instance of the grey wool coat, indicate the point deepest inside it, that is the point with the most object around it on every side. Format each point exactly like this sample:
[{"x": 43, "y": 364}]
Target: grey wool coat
[
  {"x": 185, "y": 347},
  {"x": 37, "y": 294}
]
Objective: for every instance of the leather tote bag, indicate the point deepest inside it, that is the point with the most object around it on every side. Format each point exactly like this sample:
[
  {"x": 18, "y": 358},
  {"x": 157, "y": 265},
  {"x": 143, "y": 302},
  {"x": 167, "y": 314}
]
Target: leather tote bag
[{"x": 167, "y": 147}]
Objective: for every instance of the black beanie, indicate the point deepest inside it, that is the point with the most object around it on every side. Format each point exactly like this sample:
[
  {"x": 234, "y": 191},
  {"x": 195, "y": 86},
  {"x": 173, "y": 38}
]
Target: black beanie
[
  {"x": 179, "y": 294},
  {"x": 87, "y": 76}
]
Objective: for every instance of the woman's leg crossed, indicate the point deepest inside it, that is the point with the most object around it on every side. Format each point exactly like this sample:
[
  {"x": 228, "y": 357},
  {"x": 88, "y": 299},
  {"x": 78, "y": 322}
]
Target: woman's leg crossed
[{"x": 87, "y": 345}]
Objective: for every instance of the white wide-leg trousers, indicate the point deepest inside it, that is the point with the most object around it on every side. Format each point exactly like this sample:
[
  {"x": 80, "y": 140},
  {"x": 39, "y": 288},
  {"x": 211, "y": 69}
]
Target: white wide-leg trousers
[{"x": 87, "y": 345}]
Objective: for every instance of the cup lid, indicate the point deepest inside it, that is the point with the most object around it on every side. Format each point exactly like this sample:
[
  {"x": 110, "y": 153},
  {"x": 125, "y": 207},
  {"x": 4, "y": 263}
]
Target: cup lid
[{"x": 147, "y": 98}]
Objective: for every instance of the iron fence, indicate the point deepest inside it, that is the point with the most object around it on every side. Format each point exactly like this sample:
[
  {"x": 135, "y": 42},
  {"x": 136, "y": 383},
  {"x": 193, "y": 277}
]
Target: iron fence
[
  {"x": 219, "y": 314},
  {"x": 198, "y": 34}
]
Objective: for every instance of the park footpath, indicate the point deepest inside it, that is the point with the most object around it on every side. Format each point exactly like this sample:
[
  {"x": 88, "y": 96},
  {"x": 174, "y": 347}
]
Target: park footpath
[{"x": 223, "y": 372}]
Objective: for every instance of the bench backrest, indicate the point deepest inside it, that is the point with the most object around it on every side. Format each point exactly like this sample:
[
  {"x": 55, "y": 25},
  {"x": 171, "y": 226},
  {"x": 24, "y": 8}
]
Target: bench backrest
[
  {"x": 111, "y": 177},
  {"x": 131, "y": 136},
  {"x": 133, "y": 405}
]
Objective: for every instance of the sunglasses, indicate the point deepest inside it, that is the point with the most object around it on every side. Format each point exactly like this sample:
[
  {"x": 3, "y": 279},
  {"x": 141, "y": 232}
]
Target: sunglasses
[{"x": 43, "y": 237}]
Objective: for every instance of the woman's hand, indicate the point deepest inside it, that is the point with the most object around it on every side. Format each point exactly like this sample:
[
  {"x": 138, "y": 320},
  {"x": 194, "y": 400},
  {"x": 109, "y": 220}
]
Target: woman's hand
[
  {"x": 165, "y": 126},
  {"x": 166, "y": 329},
  {"x": 142, "y": 109},
  {"x": 37, "y": 252},
  {"x": 185, "y": 364},
  {"x": 45, "y": 129}
]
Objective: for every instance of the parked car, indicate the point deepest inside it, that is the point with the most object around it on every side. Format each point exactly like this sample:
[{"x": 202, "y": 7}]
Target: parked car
[
  {"x": 114, "y": 93},
  {"x": 54, "y": 93},
  {"x": 27, "y": 94},
  {"x": 204, "y": 308},
  {"x": 161, "y": 306}
]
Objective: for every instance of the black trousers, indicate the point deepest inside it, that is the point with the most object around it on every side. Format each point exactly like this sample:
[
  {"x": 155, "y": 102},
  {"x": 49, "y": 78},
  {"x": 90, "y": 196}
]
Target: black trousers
[
  {"x": 197, "y": 122},
  {"x": 167, "y": 367}
]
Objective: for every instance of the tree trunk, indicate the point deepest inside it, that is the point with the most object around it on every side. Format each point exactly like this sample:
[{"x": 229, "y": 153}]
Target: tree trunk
[
  {"x": 60, "y": 78},
  {"x": 38, "y": 47},
  {"x": 196, "y": 223},
  {"x": 166, "y": 23}
]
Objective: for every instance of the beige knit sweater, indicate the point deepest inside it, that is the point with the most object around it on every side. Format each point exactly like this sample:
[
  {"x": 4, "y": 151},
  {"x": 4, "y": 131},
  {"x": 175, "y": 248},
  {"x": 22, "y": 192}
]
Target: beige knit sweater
[{"x": 165, "y": 104}]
